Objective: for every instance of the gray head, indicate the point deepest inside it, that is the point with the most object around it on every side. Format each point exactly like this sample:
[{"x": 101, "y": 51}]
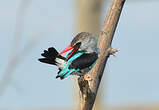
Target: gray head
[{"x": 86, "y": 42}]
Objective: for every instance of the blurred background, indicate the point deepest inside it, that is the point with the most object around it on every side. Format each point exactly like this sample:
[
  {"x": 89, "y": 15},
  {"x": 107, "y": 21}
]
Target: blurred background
[{"x": 27, "y": 27}]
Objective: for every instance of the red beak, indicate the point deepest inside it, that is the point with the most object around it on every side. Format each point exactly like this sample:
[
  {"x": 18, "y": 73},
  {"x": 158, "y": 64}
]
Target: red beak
[{"x": 67, "y": 49}]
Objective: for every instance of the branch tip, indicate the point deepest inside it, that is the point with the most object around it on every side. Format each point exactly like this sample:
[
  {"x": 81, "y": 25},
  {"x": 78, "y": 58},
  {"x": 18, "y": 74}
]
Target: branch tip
[{"x": 113, "y": 51}]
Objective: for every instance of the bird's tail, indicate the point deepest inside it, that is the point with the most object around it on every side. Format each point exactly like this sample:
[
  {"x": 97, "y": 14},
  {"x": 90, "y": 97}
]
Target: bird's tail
[{"x": 51, "y": 56}]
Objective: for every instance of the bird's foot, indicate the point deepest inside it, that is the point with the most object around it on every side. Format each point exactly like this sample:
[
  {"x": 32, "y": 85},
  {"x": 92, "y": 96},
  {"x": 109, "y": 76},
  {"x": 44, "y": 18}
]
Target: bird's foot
[{"x": 87, "y": 77}]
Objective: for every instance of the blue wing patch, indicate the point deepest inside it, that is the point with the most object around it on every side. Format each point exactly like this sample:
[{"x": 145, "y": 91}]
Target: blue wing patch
[{"x": 66, "y": 71}]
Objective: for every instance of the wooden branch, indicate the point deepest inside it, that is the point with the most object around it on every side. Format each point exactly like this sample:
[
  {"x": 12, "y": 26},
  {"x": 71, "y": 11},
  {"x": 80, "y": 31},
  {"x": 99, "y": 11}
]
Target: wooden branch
[{"x": 89, "y": 83}]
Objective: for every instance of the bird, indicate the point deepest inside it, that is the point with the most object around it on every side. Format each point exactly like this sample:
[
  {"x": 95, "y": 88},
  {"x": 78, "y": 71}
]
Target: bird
[{"x": 79, "y": 61}]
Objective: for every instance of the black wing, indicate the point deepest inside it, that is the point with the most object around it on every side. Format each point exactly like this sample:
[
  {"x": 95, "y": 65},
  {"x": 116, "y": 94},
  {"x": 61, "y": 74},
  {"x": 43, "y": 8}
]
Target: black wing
[
  {"x": 84, "y": 61},
  {"x": 50, "y": 55}
]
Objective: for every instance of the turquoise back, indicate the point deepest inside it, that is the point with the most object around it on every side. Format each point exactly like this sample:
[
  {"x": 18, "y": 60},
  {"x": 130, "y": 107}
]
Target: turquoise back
[{"x": 66, "y": 71}]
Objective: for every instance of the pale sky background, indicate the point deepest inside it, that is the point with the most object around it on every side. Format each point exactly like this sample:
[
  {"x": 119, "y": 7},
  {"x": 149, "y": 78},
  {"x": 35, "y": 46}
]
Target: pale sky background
[{"x": 131, "y": 77}]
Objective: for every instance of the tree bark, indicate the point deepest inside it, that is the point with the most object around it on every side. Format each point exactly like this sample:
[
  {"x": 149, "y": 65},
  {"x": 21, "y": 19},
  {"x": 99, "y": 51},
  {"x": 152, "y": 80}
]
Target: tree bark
[{"x": 89, "y": 86}]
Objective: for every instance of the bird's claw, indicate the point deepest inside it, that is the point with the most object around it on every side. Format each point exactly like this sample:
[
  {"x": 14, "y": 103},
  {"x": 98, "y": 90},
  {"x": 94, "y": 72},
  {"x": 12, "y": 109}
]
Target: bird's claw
[{"x": 87, "y": 77}]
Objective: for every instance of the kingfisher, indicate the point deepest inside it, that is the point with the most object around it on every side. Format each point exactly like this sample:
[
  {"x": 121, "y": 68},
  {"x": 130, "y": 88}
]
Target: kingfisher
[{"x": 79, "y": 61}]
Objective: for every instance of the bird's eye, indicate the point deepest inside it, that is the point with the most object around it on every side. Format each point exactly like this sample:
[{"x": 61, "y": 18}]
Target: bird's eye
[{"x": 77, "y": 45}]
